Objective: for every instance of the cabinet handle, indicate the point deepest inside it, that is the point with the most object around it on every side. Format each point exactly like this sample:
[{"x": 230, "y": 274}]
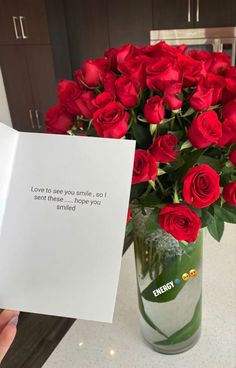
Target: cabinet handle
[
  {"x": 189, "y": 11},
  {"x": 31, "y": 119},
  {"x": 18, "y": 37},
  {"x": 198, "y": 11},
  {"x": 37, "y": 118},
  {"x": 22, "y": 27}
]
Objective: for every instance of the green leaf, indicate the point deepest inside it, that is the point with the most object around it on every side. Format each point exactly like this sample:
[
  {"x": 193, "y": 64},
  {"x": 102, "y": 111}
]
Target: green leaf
[
  {"x": 137, "y": 190},
  {"x": 188, "y": 330},
  {"x": 142, "y": 136},
  {"x": 191, "y": 258},
  {"x": 216, "y": 228},
  {"x": 226, "y": 213},
  {"x": 214, "y": 163},
  {"x": 205, "y": 217},
  {"x": 129, "y": 227},
  {"x": 189, "y": 112},
  {"x": 186, "y": 144},
  {"x": 145, "y": 316},
  {"x": 152, "y": 222}
]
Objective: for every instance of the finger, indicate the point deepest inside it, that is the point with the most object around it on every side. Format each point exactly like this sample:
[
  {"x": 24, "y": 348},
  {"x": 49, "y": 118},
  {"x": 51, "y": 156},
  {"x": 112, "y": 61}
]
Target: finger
[
  {"x": 6, "y": 338},
  {"x": 5, "y": 317}
]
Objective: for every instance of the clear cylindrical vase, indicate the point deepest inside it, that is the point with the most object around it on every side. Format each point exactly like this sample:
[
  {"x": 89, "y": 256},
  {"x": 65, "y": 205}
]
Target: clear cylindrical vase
[{"x": 169, "y": 280}]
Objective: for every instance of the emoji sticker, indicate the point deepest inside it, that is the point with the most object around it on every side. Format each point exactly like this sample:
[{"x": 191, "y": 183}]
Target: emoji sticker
[
  {"x": 193, "y": 272},
  {"x": 185, "y": 276}
]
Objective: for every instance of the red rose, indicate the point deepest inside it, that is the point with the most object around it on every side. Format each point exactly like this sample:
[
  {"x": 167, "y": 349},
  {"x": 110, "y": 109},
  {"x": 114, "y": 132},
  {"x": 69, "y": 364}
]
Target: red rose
[
  {"x": 228, "y": 133},
  {"x": 201, "y": 186},
  {"x": 93, "y": 71},
  {"x": 102, "y": 99},
  {"x": 154, "y": 111},
  {"x": 191, "y": 70},
  {"x": 220, "y": 62},
  {"x": 232, "y": 156},
  {"x": 68, "y": 92},
  {"x": 145, "y": 167},
  {"x": 205, "y": 130},
  {"x": 125, "y": 52},
  {"x": 163, "y": 148},
  {"x": 217, "y": 83},
  {"x": 135, "y": 69},
  {"x": 170, "y": 95},
  {"x": 58, "y": 120},
  {"x": 109, "y": 82},
  {"x": 111, "y": 56},
  {"x": 126, "y": 91},
  {"x": 178, "y": 220},
  {"x": 229, "y": 111},
  {"x": 161, "y": 72},
  {"x": 229, "y": 193},
  {"x": 201, "y": 99},
  {"x": 161, "y": 49},
  {"x": 111, "y": 121},
  {"x": 85, "y": 104},
  {"x": 203, "y": 56}
]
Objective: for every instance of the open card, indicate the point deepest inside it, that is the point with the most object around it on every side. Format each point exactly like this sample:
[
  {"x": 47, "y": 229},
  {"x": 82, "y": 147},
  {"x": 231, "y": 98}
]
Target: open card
[{"x": 63, "y": 208}]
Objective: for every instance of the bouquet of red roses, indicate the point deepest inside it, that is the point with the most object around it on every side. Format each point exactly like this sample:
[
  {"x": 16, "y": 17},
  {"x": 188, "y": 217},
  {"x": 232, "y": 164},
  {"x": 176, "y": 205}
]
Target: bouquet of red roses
[{"x": 180, "y": 107}]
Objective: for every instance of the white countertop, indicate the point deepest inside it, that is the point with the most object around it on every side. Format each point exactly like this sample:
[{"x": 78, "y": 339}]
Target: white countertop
[{"x": 119, "y": 345}]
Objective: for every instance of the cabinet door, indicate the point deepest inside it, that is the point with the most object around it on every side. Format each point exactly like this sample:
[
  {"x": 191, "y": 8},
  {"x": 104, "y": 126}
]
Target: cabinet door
[
  {"x": 42, "y": 77},
  {"x": 87, "y": 29},
  {"x": 10, "y": 32},
  {"x": 214, "y": 13},
  {"x": 173, "y": 14},
  {"x": 17, "y": 85},
  {"x": 33, "y": 21},
  {"x": 130, "y": 21}
]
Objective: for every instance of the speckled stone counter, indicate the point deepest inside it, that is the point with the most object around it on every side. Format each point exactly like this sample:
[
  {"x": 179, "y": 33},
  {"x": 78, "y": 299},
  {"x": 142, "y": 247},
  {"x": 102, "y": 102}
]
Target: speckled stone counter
[{"x": 120, "y": 345}]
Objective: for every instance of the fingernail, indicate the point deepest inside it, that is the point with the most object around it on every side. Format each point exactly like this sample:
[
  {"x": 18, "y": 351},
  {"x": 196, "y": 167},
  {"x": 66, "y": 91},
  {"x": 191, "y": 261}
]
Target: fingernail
[{"x": 14, "y": 321}]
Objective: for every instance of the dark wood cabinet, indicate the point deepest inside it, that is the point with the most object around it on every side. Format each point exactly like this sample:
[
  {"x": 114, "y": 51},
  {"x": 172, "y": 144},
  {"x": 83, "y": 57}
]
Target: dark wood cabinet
[
  {"x": 175, "y": 14},
  {"x": 10, "y": 32},
  {"x": 32, "y": 64},
  {"x": 18, "y": 87},
  {"x": 130, "y": 21},
  {"x": 33, "y": 19},
  {"x": 87, "y": 26}
]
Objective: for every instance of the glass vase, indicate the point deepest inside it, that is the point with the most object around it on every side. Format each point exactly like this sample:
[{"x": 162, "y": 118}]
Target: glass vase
[{"x": 169, "y": 281}]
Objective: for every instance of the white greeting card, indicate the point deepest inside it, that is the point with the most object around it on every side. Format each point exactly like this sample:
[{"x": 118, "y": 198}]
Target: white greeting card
[{"x": 63, "y": 208}]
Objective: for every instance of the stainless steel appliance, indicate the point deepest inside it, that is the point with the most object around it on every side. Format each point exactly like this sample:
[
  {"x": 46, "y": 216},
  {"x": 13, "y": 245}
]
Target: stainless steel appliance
[{"x": 209, "y": 39}]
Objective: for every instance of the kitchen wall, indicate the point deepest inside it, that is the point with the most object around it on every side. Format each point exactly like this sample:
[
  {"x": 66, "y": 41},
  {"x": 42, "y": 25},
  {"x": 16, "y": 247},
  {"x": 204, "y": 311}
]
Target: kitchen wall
[{"x": 4, "y": 109}]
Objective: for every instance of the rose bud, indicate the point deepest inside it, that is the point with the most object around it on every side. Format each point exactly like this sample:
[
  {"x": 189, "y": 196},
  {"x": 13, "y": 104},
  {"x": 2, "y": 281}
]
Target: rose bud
[
  {"x": 126, "y": 92},
  {"x": 201, "y": 186},
  {"x": 109, "y": 82},
  {"x": 220, "y": 62},
  {"x": 232, "y": 156},
  {"x": 135, "y": 69},
  {"x": 111, "y": 121},
  {"x": 205, "y": 130},
  {"x": 154, "y": 111},
  {"x": 181, "y": 222},
  {"x": 68, "y": 92},
  {"x": 201, "y": 99},
  {"x": 58, "y": 120},
  {"x": 229, "y": 193},
  {"x": 163, "y": 148},
  {"x": 93, "y": 71},
  {"x": 145, "y": 167}
]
